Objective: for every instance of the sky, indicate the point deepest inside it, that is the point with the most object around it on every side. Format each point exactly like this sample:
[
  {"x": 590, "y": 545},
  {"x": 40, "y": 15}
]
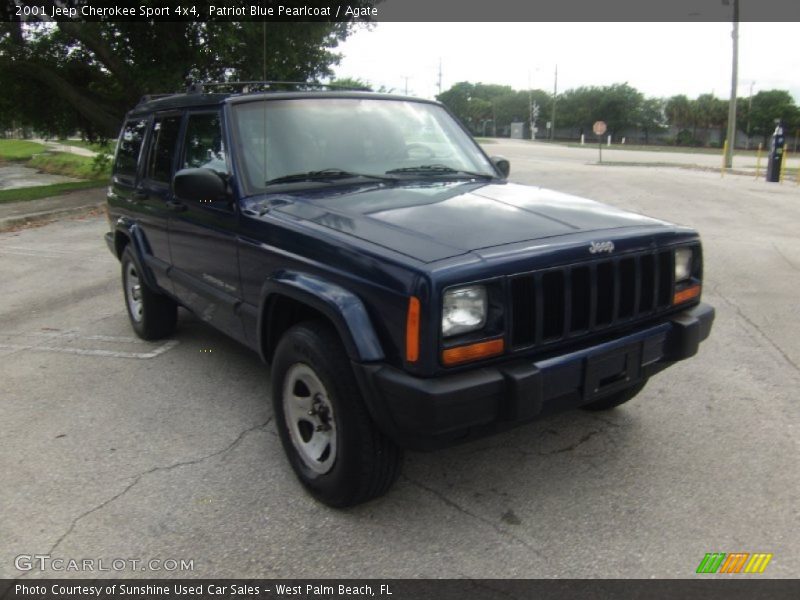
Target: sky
[{"x": 658, "y": 59}]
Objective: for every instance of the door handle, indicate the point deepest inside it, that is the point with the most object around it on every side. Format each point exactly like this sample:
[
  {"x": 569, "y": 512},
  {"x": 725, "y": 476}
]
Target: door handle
[{"x": 176, "y": 205}]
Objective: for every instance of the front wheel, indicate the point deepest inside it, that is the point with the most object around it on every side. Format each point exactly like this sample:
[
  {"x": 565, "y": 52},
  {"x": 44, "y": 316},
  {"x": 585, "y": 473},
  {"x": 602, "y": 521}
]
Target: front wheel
[
  {"x": 616, "y": 399},
  {"x": 332, "y": 444}
]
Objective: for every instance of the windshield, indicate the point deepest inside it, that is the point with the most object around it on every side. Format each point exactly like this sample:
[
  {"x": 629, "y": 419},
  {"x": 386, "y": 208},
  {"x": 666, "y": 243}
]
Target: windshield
[{"x": 324, "y": 138}]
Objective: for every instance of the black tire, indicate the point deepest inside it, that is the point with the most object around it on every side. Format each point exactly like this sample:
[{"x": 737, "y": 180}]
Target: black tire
[
  {"x": 616, "y": 399},
  {"x": 359, "y": 462},
  {"x": 153, "y": 316}
]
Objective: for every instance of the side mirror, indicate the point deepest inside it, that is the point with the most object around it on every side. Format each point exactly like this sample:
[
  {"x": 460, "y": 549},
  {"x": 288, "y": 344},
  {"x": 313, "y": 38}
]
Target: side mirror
[
  {"x": 502, "y": 165},
  {"x": 199, "y": 185}
]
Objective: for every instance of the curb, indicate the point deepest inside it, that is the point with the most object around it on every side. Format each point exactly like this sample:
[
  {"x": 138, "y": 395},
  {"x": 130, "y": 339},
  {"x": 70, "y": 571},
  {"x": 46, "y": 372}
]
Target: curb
[{"x": 46, "y": 215}]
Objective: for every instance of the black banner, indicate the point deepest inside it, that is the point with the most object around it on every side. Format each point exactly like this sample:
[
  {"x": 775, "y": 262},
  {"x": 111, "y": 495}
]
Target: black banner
[
  {"x": 401, "y": 10},
  {"x": 733, "y": 588}
]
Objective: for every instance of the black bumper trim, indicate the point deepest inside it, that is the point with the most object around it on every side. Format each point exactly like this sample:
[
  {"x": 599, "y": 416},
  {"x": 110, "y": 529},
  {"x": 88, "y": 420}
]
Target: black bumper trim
[{"x": 430, "y": 413}]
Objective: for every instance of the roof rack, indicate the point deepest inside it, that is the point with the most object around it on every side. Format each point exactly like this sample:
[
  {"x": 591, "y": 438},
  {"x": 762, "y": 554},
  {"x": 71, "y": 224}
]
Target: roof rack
[
  {"x": 148, "y": 97},
  {"x": 245, "y": 87},
  {"x": 248, "y": 86}
]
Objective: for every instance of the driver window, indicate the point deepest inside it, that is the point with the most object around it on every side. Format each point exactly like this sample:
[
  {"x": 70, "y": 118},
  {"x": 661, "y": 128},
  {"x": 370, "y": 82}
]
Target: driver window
[{"x": 204, "y": 147}]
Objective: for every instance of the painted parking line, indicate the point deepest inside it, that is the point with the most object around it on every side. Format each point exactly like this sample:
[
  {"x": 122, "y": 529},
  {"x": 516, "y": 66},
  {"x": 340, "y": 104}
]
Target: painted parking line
[
  {"x": 50, "y": 253},
  {"x": 92, "y": 352},
  {"x": 50, "y": 341},
  {"x": 72, "y": 334},
  {"x": 40, "y": 250}
]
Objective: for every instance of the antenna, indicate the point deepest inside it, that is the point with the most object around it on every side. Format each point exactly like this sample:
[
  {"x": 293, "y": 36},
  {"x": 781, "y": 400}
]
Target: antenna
[{"x": 264, "y": 49}]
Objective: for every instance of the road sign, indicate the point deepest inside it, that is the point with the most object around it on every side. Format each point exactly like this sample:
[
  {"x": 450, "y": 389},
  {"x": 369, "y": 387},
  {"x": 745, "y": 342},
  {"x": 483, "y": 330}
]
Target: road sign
[{"x": 599, "y": 127}]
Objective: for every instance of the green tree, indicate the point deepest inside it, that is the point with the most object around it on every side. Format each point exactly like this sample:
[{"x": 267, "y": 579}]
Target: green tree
[
  {"x": 619, "y": 105},
  {"x": 472, "y": 103},
  {"x": 350, "y": 83},
  {"x": 479, "y": 105},
  {"x": 709, "y": 112},
  {"x": 651, "y": 117},
  {"x": 678, "y": 111},
  {"x": 84, "y": 76},
  {"x": 769, "y": 105}
]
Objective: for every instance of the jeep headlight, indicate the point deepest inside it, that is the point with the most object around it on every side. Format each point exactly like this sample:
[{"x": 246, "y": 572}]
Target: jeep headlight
[
  {"x": 683, "y": 264},
  {"x": 463, "y": 310}
]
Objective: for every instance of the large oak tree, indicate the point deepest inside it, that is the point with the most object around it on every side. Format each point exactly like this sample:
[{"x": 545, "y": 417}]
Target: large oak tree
[{"x": 63, "y": 77}]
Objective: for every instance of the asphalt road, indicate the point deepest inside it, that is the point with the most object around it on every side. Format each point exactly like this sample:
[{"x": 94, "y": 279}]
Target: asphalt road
[{"x": 111, "y": 448}]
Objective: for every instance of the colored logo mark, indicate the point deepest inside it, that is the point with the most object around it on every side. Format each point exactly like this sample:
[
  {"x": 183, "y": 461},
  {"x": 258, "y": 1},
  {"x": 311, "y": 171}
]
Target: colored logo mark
[{"x": 734, "y": 562}]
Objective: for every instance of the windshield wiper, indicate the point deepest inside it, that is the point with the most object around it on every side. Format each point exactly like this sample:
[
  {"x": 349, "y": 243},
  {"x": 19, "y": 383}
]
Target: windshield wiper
[
  {"x": 326, "y": 175},
  {"x": 438, "y": 170}
]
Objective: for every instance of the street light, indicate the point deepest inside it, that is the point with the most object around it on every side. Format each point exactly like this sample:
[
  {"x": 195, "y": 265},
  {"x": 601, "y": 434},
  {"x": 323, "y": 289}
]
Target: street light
[{"x": 734, "y": 80}]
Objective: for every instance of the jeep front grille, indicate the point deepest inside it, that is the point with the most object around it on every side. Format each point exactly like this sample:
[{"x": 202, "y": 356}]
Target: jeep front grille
[{"x": 553, "y": 304}]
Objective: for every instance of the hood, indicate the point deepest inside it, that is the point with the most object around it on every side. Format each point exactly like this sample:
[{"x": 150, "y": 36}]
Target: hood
[{"x": 437, "y": 220}]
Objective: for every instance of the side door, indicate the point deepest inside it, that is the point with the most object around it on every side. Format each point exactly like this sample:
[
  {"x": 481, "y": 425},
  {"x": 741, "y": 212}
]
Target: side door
[
  {"x": 203, "y": 234},
  {"x": 154, "y": 191}
]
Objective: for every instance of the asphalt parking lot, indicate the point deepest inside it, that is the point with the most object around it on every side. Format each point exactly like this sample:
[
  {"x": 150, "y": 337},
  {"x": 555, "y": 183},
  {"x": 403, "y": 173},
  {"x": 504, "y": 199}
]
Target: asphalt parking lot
[{"x": 112, "y": 448}]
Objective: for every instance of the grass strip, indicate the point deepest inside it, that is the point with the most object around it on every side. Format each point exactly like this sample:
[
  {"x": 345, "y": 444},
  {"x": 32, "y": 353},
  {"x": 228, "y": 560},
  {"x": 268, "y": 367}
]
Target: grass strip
[
  {"x": 45, "y": 191},
  {"x": 19, "y": 149}
]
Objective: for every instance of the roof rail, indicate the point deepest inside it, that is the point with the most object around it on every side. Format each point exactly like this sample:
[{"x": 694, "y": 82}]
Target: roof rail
[
  {"x": 248, "y": 86},
  {"x": 148, "y": 97},
  {"x": 251, "y": 86}
]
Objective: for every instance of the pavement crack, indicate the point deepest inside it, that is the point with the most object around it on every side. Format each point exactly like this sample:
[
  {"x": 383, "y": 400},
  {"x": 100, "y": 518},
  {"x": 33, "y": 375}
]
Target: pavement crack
[
  {"x": 608, "y": 422},
  {"x": 754, "y": 325},
  {"x": 502, "y": 446},
  {"x": 528, "y": 453},
  {"x": 785, "y": 258},
  {"x": 584, "y": 438},
  {"x": 454, "y": 505},
  {"x": 140, "y": 476}
]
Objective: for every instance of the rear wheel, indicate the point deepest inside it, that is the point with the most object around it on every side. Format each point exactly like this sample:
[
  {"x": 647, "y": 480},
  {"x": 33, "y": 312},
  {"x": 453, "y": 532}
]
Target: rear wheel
[
  {"x": 616, "y": 399},
  {"x": 153, "y": 315},
  {"x": 332, "y": 444}
]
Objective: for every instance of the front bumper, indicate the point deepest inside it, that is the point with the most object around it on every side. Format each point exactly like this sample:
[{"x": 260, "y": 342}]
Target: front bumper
[{"x": 430, "y": 413}]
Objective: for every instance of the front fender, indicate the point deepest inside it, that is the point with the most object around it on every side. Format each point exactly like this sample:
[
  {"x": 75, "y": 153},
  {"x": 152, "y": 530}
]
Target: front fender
[{"x": 343, "y": 308}]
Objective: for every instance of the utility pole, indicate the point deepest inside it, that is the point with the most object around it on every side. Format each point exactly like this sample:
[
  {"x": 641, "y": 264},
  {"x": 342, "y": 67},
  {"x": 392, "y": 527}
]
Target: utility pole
[
  {"x": 553, "y": 116},
  {"x": 406, "y": 89},
  {"x": 439, "y": 79},
  {"x": 734, "y": 85}
]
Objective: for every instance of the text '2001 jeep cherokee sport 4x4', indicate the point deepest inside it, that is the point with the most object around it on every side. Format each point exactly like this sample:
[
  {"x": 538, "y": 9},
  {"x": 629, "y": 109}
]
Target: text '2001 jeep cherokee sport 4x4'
[{"x": 403, "y": 292}]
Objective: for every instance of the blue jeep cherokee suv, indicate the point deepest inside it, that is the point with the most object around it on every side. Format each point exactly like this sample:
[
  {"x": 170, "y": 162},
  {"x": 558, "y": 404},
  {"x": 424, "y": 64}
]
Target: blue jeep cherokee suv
[{"x": 405, "y": 294}]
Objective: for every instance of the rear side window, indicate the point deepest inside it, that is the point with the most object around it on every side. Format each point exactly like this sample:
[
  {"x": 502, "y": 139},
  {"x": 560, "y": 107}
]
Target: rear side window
[
  {"x": 162, "y": 148},
  {"x": 204, "y": 147},
  {"x": 130, "y": 144}
]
